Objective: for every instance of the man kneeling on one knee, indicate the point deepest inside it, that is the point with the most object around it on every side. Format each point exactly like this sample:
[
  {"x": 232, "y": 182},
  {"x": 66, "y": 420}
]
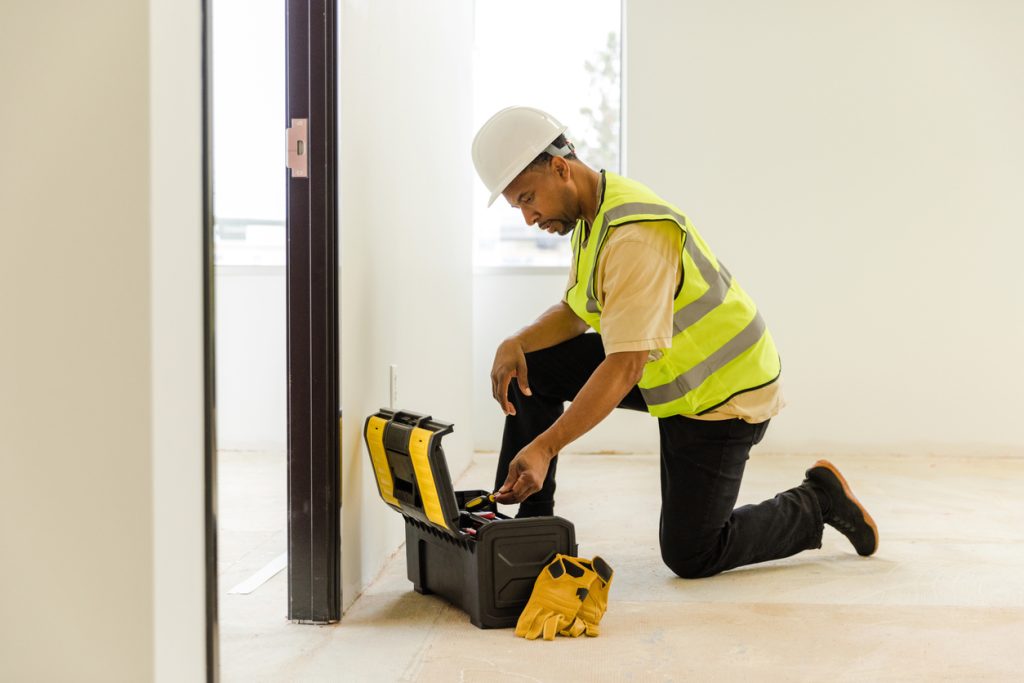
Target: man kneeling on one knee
[{"x": 677, "y": 336}]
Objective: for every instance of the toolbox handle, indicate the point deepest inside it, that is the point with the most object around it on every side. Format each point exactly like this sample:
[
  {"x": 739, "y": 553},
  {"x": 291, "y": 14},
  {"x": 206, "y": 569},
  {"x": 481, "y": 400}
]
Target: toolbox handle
[{"x": 410, "y": 418}]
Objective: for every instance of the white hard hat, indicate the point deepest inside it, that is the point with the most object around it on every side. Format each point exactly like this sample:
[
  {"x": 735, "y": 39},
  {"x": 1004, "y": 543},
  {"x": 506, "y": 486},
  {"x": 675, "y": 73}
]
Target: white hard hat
[{"x": 509, "y": 141}]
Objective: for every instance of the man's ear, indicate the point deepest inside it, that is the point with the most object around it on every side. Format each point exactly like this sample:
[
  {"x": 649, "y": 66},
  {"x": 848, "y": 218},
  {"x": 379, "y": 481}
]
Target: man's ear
[{"x": 560, "y": 167}]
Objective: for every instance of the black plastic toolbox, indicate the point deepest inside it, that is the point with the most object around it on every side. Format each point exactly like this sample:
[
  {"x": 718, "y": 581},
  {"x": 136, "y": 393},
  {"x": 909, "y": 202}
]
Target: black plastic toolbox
[{"x": 481, "y": 560}]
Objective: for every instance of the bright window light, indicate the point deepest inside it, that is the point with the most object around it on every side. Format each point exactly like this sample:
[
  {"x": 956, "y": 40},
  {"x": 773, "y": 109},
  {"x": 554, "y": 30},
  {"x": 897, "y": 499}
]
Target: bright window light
[
  {"x": 248, "y": 132},
  {"x": 560, "y": 56}
]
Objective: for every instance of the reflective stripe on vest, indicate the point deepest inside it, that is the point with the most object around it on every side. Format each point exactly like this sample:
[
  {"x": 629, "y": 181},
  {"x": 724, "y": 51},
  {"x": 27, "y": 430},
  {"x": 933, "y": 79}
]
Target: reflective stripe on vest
[
  {"x": 695, "y": 376},
  {"x": 760, "y": 364}
]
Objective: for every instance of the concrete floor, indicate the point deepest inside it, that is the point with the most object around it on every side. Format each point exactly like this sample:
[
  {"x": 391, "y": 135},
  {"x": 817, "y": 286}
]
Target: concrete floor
[{"x": 942, "y": 600}]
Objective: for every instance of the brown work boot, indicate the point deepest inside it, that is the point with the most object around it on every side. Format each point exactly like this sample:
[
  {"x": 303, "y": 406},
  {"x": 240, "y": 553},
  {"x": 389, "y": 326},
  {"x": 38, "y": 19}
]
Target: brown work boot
[{"x": 840, "y": 509}]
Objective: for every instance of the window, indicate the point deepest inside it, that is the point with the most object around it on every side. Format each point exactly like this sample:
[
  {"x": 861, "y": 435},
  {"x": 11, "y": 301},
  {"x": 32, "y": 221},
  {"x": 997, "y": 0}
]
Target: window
[
  {"x": 560, "y": 56},
  {"x": 248, "y": 133}
]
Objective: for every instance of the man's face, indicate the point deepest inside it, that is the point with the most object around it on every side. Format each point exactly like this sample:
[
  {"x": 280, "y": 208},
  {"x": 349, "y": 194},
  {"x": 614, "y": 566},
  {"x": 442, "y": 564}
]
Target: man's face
[{"x": 545, "y": 196}]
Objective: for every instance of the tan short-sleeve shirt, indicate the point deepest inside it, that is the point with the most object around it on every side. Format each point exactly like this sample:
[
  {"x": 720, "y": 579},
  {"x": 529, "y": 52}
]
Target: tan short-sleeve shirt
[{"x": 638, "y": 276}]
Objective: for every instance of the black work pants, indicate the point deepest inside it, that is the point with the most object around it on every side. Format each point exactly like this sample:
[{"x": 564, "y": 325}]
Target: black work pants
[{"x": 702, "y": 464}]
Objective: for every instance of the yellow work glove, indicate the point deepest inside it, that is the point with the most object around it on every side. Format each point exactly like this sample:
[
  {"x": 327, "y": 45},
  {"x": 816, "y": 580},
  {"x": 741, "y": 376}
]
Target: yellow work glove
[
  {"x": 596, "y": 602},
  {"x": 557, "y": 595}
]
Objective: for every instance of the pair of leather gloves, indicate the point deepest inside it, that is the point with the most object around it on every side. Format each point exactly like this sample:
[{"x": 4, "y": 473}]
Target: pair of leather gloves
[{"x": 568, "y": 599}]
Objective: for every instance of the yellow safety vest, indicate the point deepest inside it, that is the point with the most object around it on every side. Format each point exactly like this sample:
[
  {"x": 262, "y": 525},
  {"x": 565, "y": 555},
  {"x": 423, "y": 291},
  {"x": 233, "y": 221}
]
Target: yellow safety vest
[{"x": 720, "y": 344}]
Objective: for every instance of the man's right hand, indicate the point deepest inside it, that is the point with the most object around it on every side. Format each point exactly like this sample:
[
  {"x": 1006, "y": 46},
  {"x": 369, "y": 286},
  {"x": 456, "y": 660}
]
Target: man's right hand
[
  {"x": 526, "y": 473},
  {"x": 509, "y": 362}
]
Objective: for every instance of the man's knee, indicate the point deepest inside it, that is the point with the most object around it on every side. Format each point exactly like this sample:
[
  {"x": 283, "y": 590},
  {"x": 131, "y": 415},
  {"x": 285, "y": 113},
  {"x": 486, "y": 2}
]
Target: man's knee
[
  {"x": 536, "y": 508},
  {"x": 690, "y": 560},
  {"x": 541, "y": 503}
]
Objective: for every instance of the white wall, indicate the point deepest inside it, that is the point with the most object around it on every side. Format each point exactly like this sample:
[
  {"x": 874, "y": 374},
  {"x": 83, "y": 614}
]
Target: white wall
[
  {"x": 859, "y": 169},
  {"x": 505, "y": 300},
  {"x": 178, "y": 419},
  {"x": 405, "y": 216},
  {"x": 83, "y": 413},
  {"x": 252, "y": 405}
]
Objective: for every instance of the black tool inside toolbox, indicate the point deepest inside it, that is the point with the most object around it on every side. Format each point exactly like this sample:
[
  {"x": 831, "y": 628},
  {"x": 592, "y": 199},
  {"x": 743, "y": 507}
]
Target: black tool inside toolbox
[{"x": 458, "y": 544}]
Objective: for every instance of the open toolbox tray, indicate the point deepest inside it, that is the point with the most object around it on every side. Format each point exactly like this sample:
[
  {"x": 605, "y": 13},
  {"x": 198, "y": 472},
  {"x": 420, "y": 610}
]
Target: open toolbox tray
[{"x": 481, "y": 560}]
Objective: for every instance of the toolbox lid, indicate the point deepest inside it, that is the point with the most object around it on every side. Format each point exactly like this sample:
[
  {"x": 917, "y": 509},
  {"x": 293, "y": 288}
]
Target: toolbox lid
[{"x": 410, "y": 468}]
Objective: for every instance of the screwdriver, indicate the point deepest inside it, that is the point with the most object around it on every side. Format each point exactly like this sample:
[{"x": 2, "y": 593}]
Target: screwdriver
[{"x": 479, "y": 500}]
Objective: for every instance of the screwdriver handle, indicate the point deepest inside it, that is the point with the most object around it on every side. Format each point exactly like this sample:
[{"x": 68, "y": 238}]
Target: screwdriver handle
[{"x": 479, "y": 500}]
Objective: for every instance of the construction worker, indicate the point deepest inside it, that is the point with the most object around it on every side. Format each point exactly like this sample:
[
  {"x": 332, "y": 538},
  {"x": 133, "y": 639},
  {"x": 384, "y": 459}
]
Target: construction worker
[{"x": 676, "y": 336}]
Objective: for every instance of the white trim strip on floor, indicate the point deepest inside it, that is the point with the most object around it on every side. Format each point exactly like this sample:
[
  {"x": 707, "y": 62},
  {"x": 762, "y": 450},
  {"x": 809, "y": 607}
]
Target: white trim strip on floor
[{"x": 261, "y": 577}]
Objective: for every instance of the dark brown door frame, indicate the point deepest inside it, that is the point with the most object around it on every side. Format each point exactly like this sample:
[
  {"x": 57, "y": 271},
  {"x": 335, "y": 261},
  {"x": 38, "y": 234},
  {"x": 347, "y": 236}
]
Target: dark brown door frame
[
  {"x": 314, "y": 496},
  {"x": 209, "y": 348}
]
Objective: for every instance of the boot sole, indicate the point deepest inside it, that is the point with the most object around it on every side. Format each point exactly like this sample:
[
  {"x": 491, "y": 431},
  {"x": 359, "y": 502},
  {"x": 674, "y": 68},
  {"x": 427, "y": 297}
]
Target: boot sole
[{"x": 852, "y": 498}]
